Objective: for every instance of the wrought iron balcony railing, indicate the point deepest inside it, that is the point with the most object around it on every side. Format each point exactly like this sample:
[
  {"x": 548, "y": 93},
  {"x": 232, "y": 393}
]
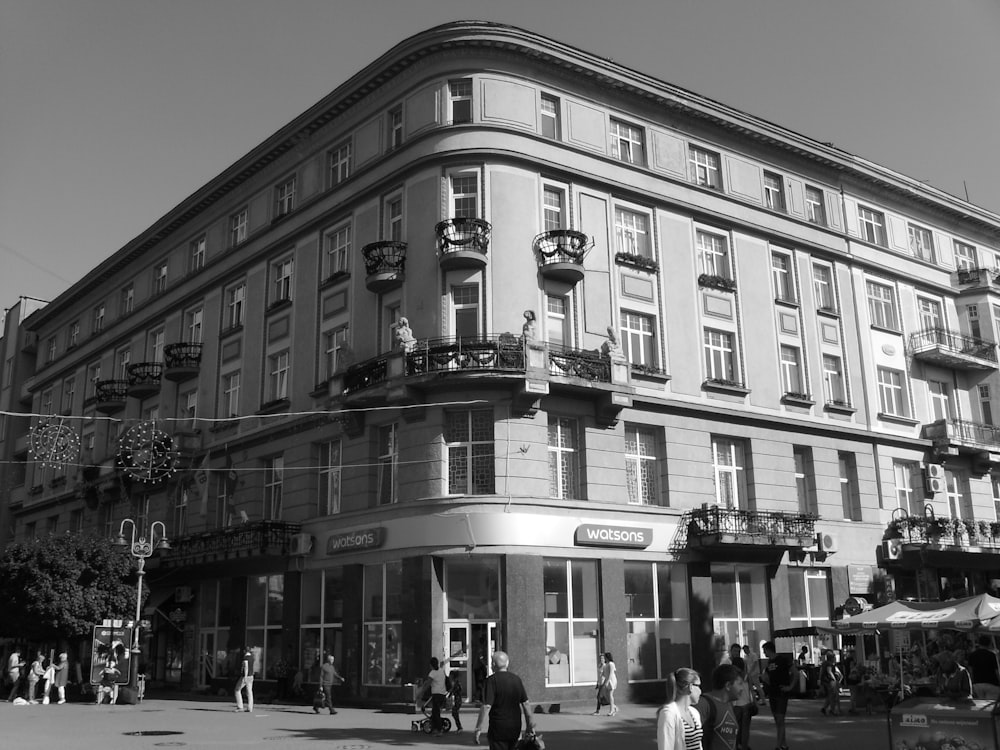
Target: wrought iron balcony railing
[
  {"x": 927, "y": 529},
  {"x": 962, "y": 433},
  {"x": 387, "y": 256},
  {"x": 504, "y": 352},
  {"x": 976, "y": 275},
  {"x": 366, "y": 374},
  {"x": 182, "y": 354},
  {"x": 145, "y": 376},
  {"x": 111, "y": 392},
  {"x": 560, "y": 253},
  {"x": 753, "y": 526},
  {"x": 256, "y": 538},
  {"x": 951, "y": 348},
  {"x": 463, "y": 234},
  {"x": 579, "y": 363}
]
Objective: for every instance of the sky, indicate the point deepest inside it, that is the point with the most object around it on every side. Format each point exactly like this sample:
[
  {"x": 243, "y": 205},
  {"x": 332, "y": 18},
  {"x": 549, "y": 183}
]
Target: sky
[{"x": 114, "y": 111}]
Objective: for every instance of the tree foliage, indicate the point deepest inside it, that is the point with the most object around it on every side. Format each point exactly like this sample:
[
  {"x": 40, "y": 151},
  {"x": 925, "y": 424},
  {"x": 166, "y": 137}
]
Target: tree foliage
[{"x": 61, "y": 586}]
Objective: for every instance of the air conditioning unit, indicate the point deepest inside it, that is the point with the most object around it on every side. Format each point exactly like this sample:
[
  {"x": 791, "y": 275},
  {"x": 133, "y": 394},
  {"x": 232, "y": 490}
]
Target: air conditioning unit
[
  {"x": 892, "y": 549},
  {"x": 183, "y": 594},
  {"x": 827, "y": 542},
  {"x": 302, "y": 544},
  {"x": 934, "y": 481}
]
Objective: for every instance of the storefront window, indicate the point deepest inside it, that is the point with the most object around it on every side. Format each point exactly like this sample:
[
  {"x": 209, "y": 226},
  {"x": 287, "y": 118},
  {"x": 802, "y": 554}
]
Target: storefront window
[
  {"x": 656, "y": 606},
  {"x": 214, "y": 615},
  {"x": 383, "y": 626},
  {"x": 809, "y": 604},
  {"x": 572, "y": 621},
  {"x": 265, "y": 607},
  {"x": 472, "y": 588},
  {"x": 739, "y": 606},
  {"x": 322, "y": 620}
]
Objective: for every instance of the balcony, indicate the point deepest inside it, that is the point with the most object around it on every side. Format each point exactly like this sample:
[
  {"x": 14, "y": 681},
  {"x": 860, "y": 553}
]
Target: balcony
[
  {"x": 717, "y": 527},
  {"x": 144, "y": 379},
  {"x": 560, "y": 254},
  {"x": 579, "y": 363},
  {"x": 503, "y": 353},
  {"x": 954, "y": 436},
  {"x": 462, "y": 242},
  {"x": 111, "y": 395},
  {"x": 246, "y": 540},
  {"x": 955, "y": 350},
  {"x": 977, "y": 278},
  {"x": 915, "y": 540},
  {"x": 385, "y": 264},
  {"x": 182, "y": 361}
]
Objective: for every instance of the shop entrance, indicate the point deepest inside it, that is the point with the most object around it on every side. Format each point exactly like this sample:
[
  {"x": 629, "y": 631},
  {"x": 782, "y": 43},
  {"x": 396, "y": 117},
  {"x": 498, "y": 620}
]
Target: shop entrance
[{"x": 470, "y": 646}]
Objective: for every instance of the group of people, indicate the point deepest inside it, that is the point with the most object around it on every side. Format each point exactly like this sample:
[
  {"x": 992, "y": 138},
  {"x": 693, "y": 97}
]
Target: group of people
[
  {"x": 719, "y": 718},
  {"x": 43, "y": 671}
]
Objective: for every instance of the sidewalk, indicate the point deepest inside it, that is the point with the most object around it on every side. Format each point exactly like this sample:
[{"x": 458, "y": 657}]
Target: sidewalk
[{"x": 212, "y": 723}]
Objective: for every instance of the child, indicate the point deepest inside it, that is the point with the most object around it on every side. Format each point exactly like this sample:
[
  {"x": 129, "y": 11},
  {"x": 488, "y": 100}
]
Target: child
[{"x": 456, "y": 697}]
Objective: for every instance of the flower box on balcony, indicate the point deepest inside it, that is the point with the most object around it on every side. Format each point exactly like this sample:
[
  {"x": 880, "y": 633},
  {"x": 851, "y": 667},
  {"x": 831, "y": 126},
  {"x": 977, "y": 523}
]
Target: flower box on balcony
[
  {"x": 714, "y": 281},
  {"x": 35, "y": 489},
  {"x": 637, "y": 261}
]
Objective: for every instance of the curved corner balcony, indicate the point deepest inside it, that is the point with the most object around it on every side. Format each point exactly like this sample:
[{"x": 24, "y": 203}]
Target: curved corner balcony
[
  {"x": 504, "y": 353},
  {"x": 954, "y": 350},
  {"x": 463, "y": 242},
  {"x": 144, "y": 379},
  {"x": 560, "y": 254},
  {"x": 110, "y": 395},
  {"x": 385, "y": 263},
  {"x": 181, "y": 361}
]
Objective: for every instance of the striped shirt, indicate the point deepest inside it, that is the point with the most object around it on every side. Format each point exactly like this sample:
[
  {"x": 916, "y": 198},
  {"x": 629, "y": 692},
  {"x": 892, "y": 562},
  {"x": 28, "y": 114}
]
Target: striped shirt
[{"x": 692, "y": 732}]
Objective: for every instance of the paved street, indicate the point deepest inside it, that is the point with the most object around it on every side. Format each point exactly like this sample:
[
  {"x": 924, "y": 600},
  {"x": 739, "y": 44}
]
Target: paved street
[{"x": 211, "y": 723}]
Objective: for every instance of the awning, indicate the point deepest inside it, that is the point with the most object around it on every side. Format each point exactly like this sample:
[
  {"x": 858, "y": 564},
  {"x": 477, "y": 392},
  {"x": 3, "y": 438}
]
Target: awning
[
  {"x": 805, "y": 631},
  {"x": 972, "y": 613}
]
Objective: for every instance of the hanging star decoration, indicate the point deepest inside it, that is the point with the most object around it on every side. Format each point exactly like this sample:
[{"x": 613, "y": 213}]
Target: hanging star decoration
[
  {"x": 52, "y": 443},
  {"x": 146, "y": 453}
]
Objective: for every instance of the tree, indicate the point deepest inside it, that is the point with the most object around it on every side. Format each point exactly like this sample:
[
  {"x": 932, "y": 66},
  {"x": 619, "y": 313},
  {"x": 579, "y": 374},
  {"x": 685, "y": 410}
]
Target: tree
[{"x": 60, "y": 586}]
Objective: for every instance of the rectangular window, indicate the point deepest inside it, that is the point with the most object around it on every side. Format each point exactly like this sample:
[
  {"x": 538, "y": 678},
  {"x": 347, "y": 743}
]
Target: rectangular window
[
  {"x": 274, "y": 478},
  {"x": 641, "y": 462},
  {"x": 833, "y": 380},
  {"x": 329, "y": 477},
  {"x": 393, "y": 214},
  {"x": 627, "y": 143},
  {"x": 892, "y": 393},
  {"x": 713, "y": 252},
  {"x": 73, "y": 334},
  {"x": 809, "y": 596},
  {"x": 277, "y": 366},
  {"x": 557, "y": 320},
  {"x": 50, "y": 350},
  {"x": 180, "y": 513},
  {"x": 826, "y": 299},
  {"x": 564, "y": 459},
  {"x": 940, "y": 399},
  {"x": 281, "y": 280},
  {"x": 638, "y": 339},
  {"x": 929, "y": 311},
  {"x": 550, "y": 117},
  {"x": 395, "y": 125},
  {"x": 238, "y": 224},
  {"x": 465, "y": 195},
  {"x": 196, "y": 255},
  {"x": 774, "y": 191},
  {"x": 340, "y": 163},
  {"x": 791, "y": 370},
  {"x": 972, "y": 313},
  {"x": 93, "y": 375},
  {"x": 849, "y": 495},
  {"x": 985, "y": 403},
  {"x": 321, "y": 615},
  {"x": 160, "y": 278},
  {"x": 46, "y": 404},
  {"x": 728, "y": 458},
  {"x": 872, "y": 225},
  {"x": 337, "y": 243},
  {"x": 154, "y": 345},
  {"x": 194, "y": 321},
  {"x": 553, "y": 200},
  {"x": 264, "y": 622},
  {"x": 68, "y": 395},
  {"x": 123, "y": 359},
  {"x": 468, "y": 437},
  {"x": 284, "y": 197},
  {"x": 460, "y": 98},
  {"x": 815, "y": 206},
  {"x": 236, "y": 298},
  {"x": 781, "y": 273},
  {"x": 720, "y": 360},
  {"x": 632, "y": 233},
  {"x": 882, "y": 306},
  {"x": 921, "y": 242},
  {"x": 965, "y": 256},
  {"x": 334, "y": 343},
  {"x": 230, "y": 395},
  {"x": 97, "y": 319},
  {"x": 909, "y": 486},
  {"x": 805, "y": 480},
  {"x": 704, "y": 166},
  {"x": 957, "y": 491},
  {"x": 465, "y": 310},
  {"x": 383, "y": 623},
  {"x": 572, "y": 616},
  {"x": 126, "y": 300},
  {"x": 388, "y": 459}
]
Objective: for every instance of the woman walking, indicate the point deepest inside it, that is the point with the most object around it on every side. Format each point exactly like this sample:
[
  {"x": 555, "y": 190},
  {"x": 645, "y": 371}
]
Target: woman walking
[
  {"x": 830, "y": 678},
  {"x": 607, "y": 681},
  {"x": 678, "y": 724}
]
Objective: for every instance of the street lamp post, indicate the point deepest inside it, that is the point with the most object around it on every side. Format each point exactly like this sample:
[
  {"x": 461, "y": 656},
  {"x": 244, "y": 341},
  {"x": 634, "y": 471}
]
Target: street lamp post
[{"x": 141, "y": 549}]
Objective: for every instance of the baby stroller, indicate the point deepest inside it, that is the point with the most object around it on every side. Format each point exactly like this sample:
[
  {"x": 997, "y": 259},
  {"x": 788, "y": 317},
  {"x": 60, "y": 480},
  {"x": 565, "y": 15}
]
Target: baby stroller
[{"x": 424, "y": 724}]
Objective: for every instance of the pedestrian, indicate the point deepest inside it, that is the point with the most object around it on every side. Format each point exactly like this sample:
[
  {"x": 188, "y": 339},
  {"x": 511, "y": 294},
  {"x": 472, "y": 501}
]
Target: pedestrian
[
  {"x": 744, "y": 707},
  {"x": 803, "y": 656},
  {"x": 245, "y": 680},
  {"x": 678, "y": 724},
  {"x": 607, "y": 681},
  {"x": 328, "y": 678},
  {"x": 61, "y": 670},
  {"x": 720, "y": 727},
  {"x": 505, "y": 702},
  {"x": 439, "y": 694},
  {"x": 953, "y": 679},
  {"x": 753, "y": 674},
  {"x": 14, "y": 666},
  {"x": 830, "y": 679},
  {"x": 779, "y": 679},
  {"x": 108, "y": 684},
  {"x": 35, "y": 673},
  {"x": 479, "y": 675},
  {"x": 457, "y": 696}
]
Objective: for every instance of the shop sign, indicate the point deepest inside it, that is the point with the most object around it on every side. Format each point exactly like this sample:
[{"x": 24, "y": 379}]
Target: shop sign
[
  {"x": 594, "y": 535},
  {"x": 860, "y": 578},
  {"x": 353, "y": 541}
]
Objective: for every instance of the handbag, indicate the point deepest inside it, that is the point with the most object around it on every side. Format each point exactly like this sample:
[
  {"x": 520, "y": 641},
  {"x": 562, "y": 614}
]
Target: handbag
[
  {"x": 530, "y": 741},
  {"x": 602, "y": 695}
]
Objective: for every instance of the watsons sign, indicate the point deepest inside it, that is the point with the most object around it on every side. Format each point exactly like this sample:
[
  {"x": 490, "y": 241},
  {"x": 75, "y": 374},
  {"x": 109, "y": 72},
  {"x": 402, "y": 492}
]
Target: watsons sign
[
  {"x": 592, "y": 535},
  {"x": 353, "y": 541}
]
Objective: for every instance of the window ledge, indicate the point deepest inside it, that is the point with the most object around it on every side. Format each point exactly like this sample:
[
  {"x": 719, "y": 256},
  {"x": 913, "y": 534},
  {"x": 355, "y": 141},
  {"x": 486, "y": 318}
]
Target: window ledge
[
  {"x": 712, "y": 281},
  {"x": 894, "y": 331},
  {"x": 278, "y": 304},
  {"x": 334, "y": 278},
  {"x": 223, "y": 426},
  {"x": 898, "y": 419},
  {"x": 274, "y": 405},
  {"x": 643, "y": 372},
  {"x": 793, "y": 303},
  {"x": 798, "y": 399},
  {"x": 638, "y": 262},
  {"x": 322, "y": 388},
  {"x": 830, "y": 312},
  {"x": 230, "y": 331},
  {"x": 725, "y": 386},
  {"x": 839, "y": 408}
]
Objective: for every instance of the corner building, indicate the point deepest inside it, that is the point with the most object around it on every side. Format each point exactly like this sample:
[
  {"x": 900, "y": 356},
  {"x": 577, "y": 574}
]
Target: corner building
[{"x": 668, "y": 375}]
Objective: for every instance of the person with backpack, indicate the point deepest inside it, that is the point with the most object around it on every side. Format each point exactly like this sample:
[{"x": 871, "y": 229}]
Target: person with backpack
[
  {"x": 780, "y": 679},
  {"x": 830, "y": 679},
  {"x": 720, "y": 727}
]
